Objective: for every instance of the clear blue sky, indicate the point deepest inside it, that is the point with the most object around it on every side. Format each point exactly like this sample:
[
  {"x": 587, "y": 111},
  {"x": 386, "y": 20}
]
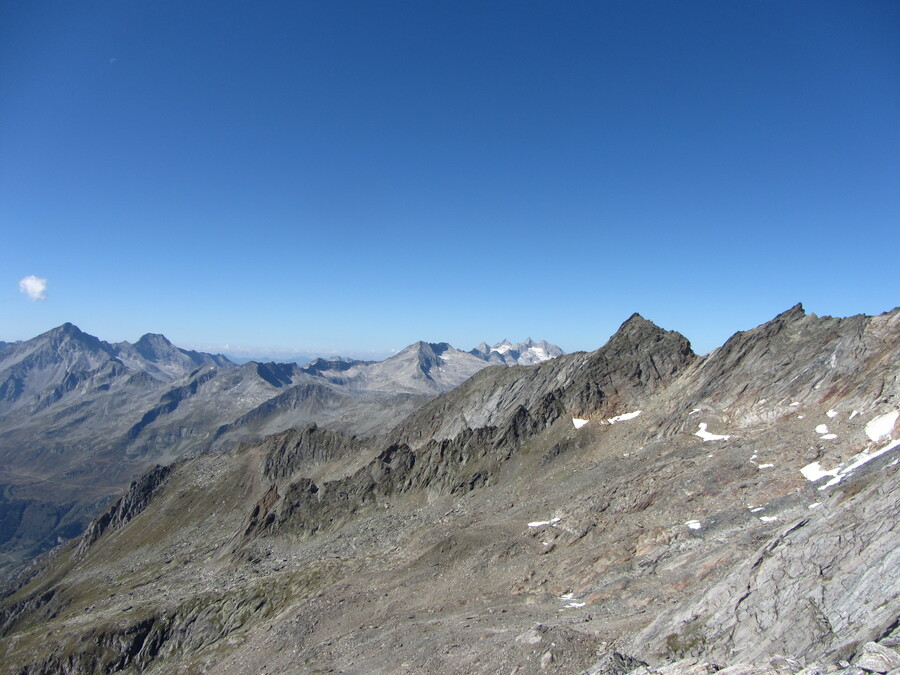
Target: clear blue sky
[{"x": 357, "y": 176}]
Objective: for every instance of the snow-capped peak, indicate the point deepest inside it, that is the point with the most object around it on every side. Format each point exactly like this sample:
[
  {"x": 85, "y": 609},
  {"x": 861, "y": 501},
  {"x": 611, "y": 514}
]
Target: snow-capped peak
[
  {"x": 502, "y": 347},
  {"x": 528, "y": 352}
]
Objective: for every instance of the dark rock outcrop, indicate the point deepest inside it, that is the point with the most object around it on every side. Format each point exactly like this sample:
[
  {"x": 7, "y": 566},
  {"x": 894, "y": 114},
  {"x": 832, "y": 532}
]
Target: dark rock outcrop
[
  {"x": 127, "y": 506},
  {"x": 294, "y": 451}
]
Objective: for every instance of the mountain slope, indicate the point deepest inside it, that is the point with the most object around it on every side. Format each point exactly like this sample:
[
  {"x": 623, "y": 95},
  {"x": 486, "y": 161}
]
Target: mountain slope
[
  {"x": 80, "y": 417},
  {"x": 639, "y": 358},
  {"x": 66, "y": 401},
  {"x": 529, "y": 520}
]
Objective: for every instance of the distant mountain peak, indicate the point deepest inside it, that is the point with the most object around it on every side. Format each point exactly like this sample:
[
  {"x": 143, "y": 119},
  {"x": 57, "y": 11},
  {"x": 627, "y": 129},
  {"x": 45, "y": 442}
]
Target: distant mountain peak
[
  {"x": 483, "y": 348},
  {"x": 155, "y": 347},
  {"x": 153, "y": 338},
  {"x": 503, "y": 346},
  {"x": 70, "y": 332},
  {"x": 427, "y": 348},
  {"x": 67, "y": 329},
  {"x": 429, "y": 355}
]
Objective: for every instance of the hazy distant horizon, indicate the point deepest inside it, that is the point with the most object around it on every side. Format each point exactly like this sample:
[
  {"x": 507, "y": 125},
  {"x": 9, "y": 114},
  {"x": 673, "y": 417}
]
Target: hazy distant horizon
[{"x": 302, "y": 354}]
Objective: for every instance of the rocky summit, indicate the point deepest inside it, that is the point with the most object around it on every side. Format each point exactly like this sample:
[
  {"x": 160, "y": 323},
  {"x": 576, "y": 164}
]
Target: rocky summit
[{"x": 637, "y": 509}]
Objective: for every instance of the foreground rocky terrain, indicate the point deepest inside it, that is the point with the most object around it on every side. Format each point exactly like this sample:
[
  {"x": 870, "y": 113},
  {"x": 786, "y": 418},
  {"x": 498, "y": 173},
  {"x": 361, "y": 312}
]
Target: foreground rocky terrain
[{"x": 634, "y": 509}]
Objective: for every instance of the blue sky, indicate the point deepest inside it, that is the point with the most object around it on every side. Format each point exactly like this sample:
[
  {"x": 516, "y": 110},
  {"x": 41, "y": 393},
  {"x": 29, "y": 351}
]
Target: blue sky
[{"x": 356, "y": 176}]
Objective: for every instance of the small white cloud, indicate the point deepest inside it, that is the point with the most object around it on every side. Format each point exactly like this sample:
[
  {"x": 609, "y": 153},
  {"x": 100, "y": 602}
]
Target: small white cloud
[{"x": 34, "y": 287}]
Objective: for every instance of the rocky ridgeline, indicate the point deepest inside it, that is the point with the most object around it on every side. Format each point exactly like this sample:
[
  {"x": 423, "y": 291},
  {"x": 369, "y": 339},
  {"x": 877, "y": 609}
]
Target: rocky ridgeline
[
  {"x": 124, "y": 509},
  {"x": 640, "y": 358},
  {"x": 296, "y": 450},
  {"x": 637, "y": 360},
  {"x": 799, "y": 359}
]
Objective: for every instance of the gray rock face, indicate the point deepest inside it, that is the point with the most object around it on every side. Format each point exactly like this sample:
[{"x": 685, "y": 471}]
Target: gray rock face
[
  {"x": 293, "y": 451},
  {"x": 819, "y": 587},
  {"x": 876, "y": 658},
  {"x": 799, "y": 358},
  {"x": 614, "y": 663}
]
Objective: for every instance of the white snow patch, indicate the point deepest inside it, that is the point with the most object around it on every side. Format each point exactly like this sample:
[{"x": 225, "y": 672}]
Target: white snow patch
[
  {"x": 800, "y": 417},
  {"x": 854, "y": 414},
  {"x": 822, "y": 429},
  {"x": 539, "y": 353},
  {"x": 768, "y": 519},
  {"x": 694, "y": 524},
  {"x": 814, "y": 471},
  {"x": 766, "y": 466},
  {"x": 575, "y": 605},
  {"x": 707, "y": 436},
  {"x": 828, "y": 437},
  {"x": 624, "y": 417},
  {"x": 882, "y": 426},
  {"x": 694, "y": 411},
  {"x": 541, "y": 523},
  {"x": 795, "y": 403},
  {"x": 567, "y": 596},
  {"x": 757, "y": 509},
  {"x": 578, "y": 422},
  {"x": 814, "y": 506},
  {"x": 832, "y": 413}
]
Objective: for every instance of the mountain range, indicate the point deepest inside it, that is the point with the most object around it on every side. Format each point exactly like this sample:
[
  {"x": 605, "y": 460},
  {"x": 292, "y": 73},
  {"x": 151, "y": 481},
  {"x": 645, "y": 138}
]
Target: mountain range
[
  {"x": 523, "y": 354},
  {"x": 637, "y": 509},
  {"x": 80, "y": 417}
]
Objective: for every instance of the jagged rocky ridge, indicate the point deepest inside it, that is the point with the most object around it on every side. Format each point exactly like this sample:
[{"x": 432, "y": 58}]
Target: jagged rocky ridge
[{"x": 487, "y": 533}]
